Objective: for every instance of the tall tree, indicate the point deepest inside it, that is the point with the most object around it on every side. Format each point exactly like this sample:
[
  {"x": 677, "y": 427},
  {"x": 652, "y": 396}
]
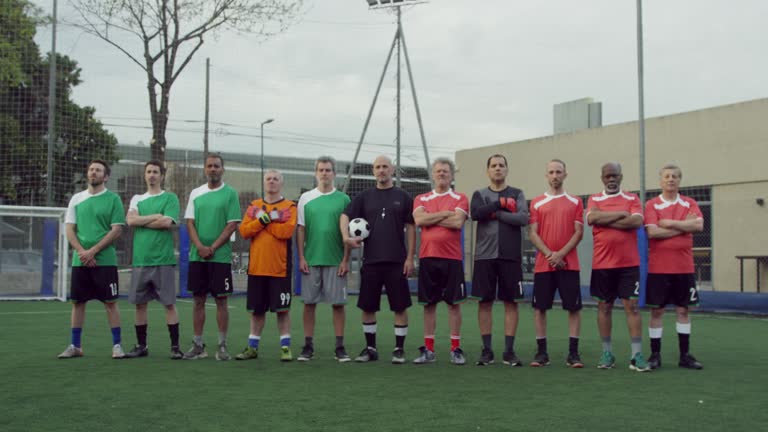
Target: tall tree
[{"x": 164, "y": 35}]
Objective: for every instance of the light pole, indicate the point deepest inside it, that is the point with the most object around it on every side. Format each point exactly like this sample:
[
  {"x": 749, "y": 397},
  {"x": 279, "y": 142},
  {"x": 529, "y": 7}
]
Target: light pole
[{"x": 262, "y": 153}]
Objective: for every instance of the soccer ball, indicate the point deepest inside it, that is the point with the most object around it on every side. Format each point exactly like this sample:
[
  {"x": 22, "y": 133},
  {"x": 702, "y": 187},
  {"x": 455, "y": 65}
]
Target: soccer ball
[{"x": 359, "y": 227}]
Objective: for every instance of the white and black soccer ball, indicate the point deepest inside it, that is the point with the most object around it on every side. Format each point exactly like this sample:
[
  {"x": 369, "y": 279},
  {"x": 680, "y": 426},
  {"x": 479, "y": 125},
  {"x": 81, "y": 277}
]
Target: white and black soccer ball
[{"x": 359, "y": 227}]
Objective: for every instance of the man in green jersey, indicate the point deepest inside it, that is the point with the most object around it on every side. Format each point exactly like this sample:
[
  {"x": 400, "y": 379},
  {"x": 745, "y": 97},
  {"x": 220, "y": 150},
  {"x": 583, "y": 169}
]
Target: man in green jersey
[
  {"x": 323, "y": 257},
  {"x": 94, "y": 220},
  {"x": 212, "y": 214},
  {"x": 153, "y": 215}
]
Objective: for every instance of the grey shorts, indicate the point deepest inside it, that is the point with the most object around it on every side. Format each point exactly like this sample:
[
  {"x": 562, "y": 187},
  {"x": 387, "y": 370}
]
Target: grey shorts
[
  {"x": 323, "y": 285},
  {"x": 153, "y": 283}
]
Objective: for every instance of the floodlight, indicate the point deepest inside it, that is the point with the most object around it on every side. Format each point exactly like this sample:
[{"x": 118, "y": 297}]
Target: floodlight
[{"x": 379, "y": 4}]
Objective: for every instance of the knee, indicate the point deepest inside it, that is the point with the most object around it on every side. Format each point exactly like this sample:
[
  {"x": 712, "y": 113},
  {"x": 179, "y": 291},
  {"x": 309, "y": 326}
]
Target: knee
[{"x": 605, "y": 308}]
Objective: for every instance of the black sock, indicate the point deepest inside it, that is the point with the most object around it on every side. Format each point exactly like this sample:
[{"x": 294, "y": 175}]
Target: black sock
[
  {"x": 683, "y": 340},
  {"x": 573, "y": 345},
  {"x": 400, "y": 339},
  {"x": 370, "y": 338},
  {"x": 308, "y": 341},
  {"x": 509, "y": 344},
  {"x": 486, "y": 341},
  {"x": 141, "y": 334},
  {"x": 655, "y": 345},
  {"x": 541, "y": 343},
  {"x": 339, "y": 341},
  {"x": 173, "y": 330}
]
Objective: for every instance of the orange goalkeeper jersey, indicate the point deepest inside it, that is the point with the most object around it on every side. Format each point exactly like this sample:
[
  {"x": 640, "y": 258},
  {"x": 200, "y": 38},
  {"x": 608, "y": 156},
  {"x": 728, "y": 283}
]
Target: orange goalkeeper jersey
[{"x": 269, "y": 252}]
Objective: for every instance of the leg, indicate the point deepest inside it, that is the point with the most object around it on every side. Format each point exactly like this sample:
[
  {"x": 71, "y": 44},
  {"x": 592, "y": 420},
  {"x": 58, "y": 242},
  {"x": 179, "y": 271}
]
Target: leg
[
  {"x": 634, "y": 319},
  {"x": 430, "y": 320},
  {"x": 171, "y": 315},
  {"x": 511, "y": 318},
  {"x": 574, "y": 323},
  {"x": 484, "y": 318},
  {"x": 198, "y": 316},
  {"x": 141, "y": 314},
  {"x": 113, "y": 314},
  {"x": 454, "y": 319},
  {"x": 257, "y": 323},
  {"x": 222, "y": 314},
  {"x": 309, "y": 320},
  {"x": 77, "y": 318},
  {"x": 339, "y": 317},
  {"x": 540, "y": 322},
  {"x": 605, "y": 320}
]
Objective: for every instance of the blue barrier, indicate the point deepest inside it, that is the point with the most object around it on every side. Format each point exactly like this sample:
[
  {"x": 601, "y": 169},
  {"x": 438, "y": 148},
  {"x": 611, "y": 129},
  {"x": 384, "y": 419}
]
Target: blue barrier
[
  {"x": 183, "y": 260},
  {"x": 642, "y": 248},
  {"x": 50, "y": 232}
]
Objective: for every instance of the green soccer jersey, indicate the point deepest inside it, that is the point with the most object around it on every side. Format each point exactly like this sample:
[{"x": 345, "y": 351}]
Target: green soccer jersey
[
  {"x": 212, "y": 210},
  {"x": 319, "y": 214},
  {"x": 154, "y": 247},
  {"x": 93, "y": 216}
]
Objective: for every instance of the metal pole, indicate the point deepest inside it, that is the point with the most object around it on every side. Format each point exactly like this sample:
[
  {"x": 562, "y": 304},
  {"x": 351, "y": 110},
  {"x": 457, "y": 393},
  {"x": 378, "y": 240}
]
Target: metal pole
[
  {"x": 415, "y": 100},
  {"x": 370, "y": 114},
  {"x": 51, "y": 110},
  {"x": 207, "y": 104},
  {"x": 641, "y": 97},
  {"x": 262, "y": 160},
  {"x": 398, "y": 182}
]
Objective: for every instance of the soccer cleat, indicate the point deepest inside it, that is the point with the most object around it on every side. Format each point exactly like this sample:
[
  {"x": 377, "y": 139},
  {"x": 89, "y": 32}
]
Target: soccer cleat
[
  {"x": 486, "y": 357},
  {"x": 608, "y": 360},
  {"x": 137, "y": 351},
  {"x": 341, "y": 355},
  {"x": 221, "y": 353},
  {"x": 176, "y": 353},
  {"x": 425, "y": 356},
  {"x": 196, "y": 352},
  {"x": 398, "y": 356},
  {"x": 367, "y": 354},
  {"x": 457, "y": 357},
  {"x": 638, "y": 363},
  {"x": 306, "y": 354},
  {"x": 117, "y": 352},
  {"x": 688, "y": 361},
  {"x": 654, "y": 361},
  {"x": 248, "y": 353},
  {"x": 574, "y": 361},
  {"x": 71, "y": 352},
  {"x": 511, "y": 359},
  {"x": 541, "y": 359},
  {"x": 285, "y": 354}
]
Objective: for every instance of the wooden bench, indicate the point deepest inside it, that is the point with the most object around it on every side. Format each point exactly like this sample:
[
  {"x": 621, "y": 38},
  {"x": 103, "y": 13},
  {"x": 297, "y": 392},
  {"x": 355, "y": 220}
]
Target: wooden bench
[{"x": 758, "y": 260}]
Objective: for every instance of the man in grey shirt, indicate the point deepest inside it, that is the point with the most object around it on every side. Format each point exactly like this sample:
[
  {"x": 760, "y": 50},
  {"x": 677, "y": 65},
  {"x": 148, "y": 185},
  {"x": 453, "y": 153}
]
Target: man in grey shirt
[{"x": 500, "y": 211}]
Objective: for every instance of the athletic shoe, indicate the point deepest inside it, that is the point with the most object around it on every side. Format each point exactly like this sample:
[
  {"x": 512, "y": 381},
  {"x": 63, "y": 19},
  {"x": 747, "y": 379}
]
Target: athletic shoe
[
  {"x": 486, "y": 357},
  {"x": 248, "y": 353},
  {"x": 638, "y": 363},
  {"x": 221, "y": 353},
  {"x": 341, "y": 355},
  {"x": 398, "y": 356},
  {"x": 137, "y": 351},
  {"x": 367, "y": 354},
  {"x": 541, "y": 359},
  {"x": 196, "y": 352},
  {"x": 457, "y": 357},
  {"x": 285, "y": 354},
  {"x": 511, "y": 359},
  {"x": 654, "y": 361},
  {"x": 426, "y": 356},
  {"x": 574, "y": 361},
  {"x": 688, "y": 361},
  {"x": 117, "y": 352},
  {"x": 608, "y": 360},
  {"x": 306, "y": 354},
  {"x": 176, "y": 353},
  {"x": 71, "y": 352}
]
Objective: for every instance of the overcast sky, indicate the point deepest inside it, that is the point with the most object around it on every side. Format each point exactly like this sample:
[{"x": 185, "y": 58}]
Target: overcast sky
[{"x": 486, "y": 72}]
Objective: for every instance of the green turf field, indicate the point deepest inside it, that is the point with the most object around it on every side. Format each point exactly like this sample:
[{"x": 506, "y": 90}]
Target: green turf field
[{"x": 96, "y": 393}]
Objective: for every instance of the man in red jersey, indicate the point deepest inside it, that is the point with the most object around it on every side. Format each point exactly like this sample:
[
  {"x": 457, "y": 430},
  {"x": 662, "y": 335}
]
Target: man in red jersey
[
  {"x": 555, "y": 228},
  {"x": 615, "y": 216},
  {"x": 670, "y": 220}
]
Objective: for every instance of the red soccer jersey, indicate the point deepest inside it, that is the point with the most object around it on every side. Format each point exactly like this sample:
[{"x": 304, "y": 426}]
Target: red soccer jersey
[
  {"x": 614, "y": 248},
  {"x": 437, "y": 241},
  {"x": 556, "y": 215},
  {"x": 674, "y": 254}
]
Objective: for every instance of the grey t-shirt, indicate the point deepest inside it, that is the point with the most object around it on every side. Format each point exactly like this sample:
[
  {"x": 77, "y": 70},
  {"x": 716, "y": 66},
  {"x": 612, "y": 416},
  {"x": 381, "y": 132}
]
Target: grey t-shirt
[{"x": 499, "y": 231}]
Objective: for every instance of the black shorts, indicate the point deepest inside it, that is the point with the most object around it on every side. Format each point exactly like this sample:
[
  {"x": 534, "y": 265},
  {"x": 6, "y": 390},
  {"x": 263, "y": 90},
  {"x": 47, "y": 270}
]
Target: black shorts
[
  {"x": 94, "y": 283},
  {"x": 565, "y": 282},
  {"x": 210, "y": 278},
  {"x": 268, "y": 293},
  {"x": 489, "y": 274},
  {"x": 607, "y": 284},
  {"x": 441, "y": 279},
  {"x": 389, "y": 276},
  {"x": 678, "y": 289}
]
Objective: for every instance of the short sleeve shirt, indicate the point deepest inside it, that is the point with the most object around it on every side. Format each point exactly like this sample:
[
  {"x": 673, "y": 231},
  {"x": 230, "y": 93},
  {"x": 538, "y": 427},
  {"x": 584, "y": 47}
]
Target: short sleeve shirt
[
  {"x": 154, "y": 247},
  {"x": 94, "y": 216},
  {"x": 212, "y": 210},
  {"x": 556, "y": 216},
  {"x": 438, "y": 241},
  {"x": 614, "y": 248},
  {"x": 319, "y": 215},
  {"x": 674, "y": 254}
]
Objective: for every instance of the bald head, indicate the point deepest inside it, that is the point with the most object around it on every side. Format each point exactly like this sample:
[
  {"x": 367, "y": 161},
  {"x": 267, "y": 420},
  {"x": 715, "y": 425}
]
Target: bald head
[{"x": 383, "y": 170}]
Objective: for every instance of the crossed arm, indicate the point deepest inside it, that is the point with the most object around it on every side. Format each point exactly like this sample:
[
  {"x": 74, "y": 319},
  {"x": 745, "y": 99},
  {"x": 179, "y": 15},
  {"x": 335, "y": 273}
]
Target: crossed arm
[
  {"x": 614, "y": 219},
  {"x": 667, "y": 228},
  {"x": 154, "y": 221}
]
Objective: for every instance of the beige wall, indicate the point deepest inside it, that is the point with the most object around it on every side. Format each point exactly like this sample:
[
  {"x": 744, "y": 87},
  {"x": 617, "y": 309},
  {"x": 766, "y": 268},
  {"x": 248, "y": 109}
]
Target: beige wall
[
  {"x": 742, "y": 229},
  {"x": 726, "y": 145}
]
